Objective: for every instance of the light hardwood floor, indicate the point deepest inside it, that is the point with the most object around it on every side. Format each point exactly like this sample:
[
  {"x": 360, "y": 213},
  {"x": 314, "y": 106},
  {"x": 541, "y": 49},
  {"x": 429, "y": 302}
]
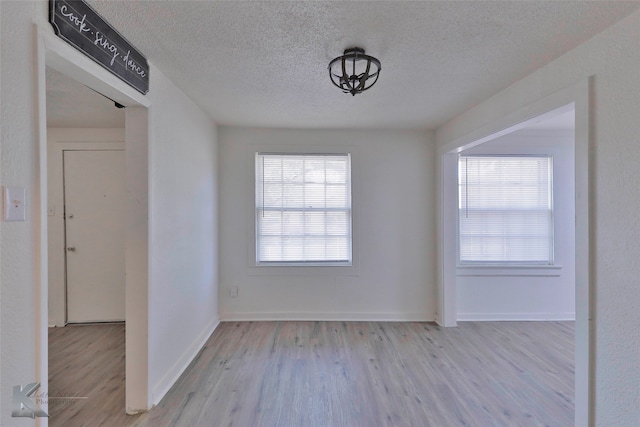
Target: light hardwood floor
[
  {"x": 488, "y": 374},
  {"x": 87, "y": 361}
]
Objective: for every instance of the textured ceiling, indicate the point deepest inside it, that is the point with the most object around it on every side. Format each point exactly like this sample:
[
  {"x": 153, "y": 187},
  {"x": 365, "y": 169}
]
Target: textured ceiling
[{"x": 265, "y": 63}]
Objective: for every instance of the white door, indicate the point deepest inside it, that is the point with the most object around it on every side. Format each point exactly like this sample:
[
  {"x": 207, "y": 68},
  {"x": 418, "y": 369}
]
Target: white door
[{"x": 94, "y": 197}]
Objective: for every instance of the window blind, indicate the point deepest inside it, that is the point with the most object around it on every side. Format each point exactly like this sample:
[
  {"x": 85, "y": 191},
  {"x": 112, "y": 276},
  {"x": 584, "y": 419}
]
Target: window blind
[
  {"x": 303, "y": 208},
  {"x": 505, "y": 210}
]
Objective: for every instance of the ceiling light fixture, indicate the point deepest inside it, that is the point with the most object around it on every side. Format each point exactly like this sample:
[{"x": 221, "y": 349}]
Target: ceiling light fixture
[{"x": 364, "y": 70}]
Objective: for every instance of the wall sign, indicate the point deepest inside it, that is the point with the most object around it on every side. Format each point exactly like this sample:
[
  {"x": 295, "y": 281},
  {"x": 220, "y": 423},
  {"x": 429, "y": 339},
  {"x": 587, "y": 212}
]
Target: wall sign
[{"x": 81, "y": 26}]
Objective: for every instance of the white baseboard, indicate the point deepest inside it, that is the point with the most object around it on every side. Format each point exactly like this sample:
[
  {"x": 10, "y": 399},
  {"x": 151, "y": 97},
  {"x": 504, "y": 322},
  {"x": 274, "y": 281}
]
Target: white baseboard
[
  {"x": 172, "y": 375},
  {"x": 307, "y": 316},
  {"x": 518, "y": 317}
]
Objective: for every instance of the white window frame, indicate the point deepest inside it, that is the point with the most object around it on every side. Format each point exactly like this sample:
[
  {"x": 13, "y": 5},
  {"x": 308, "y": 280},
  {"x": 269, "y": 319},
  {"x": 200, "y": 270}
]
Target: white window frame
[
  {"x": 524, "y": 266},
  {"x": 257, "y": 209}
]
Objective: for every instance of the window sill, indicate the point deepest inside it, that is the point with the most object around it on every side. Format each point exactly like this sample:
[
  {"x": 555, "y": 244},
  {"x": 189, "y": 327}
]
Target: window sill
[
  {"x": 304, "y": 264},
  {"x": 509, "y": 270},
  {"x": 316, "y": 269}
]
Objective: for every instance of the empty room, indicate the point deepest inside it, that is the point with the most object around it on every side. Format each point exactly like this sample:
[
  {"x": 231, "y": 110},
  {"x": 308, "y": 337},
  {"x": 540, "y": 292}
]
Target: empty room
[{"x": 319, "y": 213}]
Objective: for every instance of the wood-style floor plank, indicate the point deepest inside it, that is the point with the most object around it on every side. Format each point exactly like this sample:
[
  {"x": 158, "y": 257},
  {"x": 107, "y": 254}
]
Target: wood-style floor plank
[
  {"x": 366, "y": 374},
  {"x": 86, "y": 363}
]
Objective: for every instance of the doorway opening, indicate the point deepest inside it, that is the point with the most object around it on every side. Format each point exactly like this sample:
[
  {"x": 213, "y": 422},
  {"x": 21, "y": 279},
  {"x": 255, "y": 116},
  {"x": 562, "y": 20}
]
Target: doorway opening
[
  {"x": 54, "y": 56},
  {"x": 86, "y": 205},
  {"x": 576, "y": 100},
  {"x": 516, "y": 232},
  {"x": 86, "y": 242}
]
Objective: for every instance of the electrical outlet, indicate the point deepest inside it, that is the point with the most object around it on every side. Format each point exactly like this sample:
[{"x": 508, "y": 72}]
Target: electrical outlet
[{"x": 233, "y": 292}]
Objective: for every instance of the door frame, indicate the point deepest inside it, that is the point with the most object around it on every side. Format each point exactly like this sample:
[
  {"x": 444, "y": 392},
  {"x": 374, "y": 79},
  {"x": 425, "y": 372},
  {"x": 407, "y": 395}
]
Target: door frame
[
  {"x": 577, "y": 96},
  {"x": 53, "y": 52},
  {"x": 58, "y": 141}
]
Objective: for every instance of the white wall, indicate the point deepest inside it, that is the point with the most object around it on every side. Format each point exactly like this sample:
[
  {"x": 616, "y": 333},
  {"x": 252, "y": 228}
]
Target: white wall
[
  {"x": 615, "y": 153},
  {"x": 534, "y": 293},
  {"x": 59, "y": 139},
  {"x": 183, "y": 272},
  {"x": 183, "y": 291},
  {"x": 19, "y": 266},
  {"x": 394, "y": 230}
]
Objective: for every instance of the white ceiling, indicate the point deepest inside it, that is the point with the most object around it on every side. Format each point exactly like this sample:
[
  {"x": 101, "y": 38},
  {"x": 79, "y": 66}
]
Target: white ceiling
[
  {"x": 70, "y": 104},
  {"x": 559, "y": 122},
  {"x": 265, "y": 63}
]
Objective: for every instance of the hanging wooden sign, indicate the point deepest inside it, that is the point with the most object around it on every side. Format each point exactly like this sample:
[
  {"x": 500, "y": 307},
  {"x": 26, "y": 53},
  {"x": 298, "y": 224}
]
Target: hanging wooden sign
[{"x": 81, "y": 26}]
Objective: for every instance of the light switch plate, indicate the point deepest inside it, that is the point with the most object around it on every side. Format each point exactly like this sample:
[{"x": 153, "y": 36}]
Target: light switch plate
[{"x": 14, "y": 204}]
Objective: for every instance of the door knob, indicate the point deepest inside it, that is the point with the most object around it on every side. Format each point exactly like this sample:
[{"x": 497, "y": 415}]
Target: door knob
[{"x": 71, "y": 249}]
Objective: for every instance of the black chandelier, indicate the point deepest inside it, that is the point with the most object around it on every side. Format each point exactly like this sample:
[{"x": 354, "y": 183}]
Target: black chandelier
[{"x": 364, "y": 70}]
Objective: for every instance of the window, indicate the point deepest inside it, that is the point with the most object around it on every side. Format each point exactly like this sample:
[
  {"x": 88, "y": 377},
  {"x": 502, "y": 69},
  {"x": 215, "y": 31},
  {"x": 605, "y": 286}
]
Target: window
[
  {"x": 505, "y": 210},
  {"x": 303, "y": 209}
]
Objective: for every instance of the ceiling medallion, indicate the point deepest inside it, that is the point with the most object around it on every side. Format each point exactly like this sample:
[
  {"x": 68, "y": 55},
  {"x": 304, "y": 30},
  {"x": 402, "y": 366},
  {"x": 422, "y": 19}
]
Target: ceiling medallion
[{"x": 354, "y": 72}]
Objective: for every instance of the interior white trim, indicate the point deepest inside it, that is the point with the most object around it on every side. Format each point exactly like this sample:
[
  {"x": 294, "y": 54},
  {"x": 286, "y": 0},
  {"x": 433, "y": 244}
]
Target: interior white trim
[
  {"x": 319, "y": 316},
  {"x": 516, "y": 317},
  {"x": 171, "y": 376},
  {"x": 512, "y": 271}
]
